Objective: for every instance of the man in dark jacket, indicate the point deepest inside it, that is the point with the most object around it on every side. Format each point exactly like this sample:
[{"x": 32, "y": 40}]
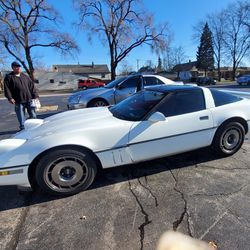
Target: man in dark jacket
[{"x": 20, "y": 90}]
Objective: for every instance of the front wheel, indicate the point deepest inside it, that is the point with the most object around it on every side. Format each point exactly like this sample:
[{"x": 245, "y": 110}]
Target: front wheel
[
  {"x": 65, "y": 171},
  {"x": 229, "y": 138},
  {"x": 98, "y": 103}
]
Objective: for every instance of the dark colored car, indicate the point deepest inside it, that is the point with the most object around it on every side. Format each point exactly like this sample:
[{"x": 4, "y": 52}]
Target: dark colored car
[
  {"x": 205, "y": 81},
  {"x": 243, "y": 80}
]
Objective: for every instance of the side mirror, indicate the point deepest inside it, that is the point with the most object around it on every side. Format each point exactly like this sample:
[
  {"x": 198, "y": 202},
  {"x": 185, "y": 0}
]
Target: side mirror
[
  {"x": 119, "y": 86},
  {"x": 157, "y": 117}
]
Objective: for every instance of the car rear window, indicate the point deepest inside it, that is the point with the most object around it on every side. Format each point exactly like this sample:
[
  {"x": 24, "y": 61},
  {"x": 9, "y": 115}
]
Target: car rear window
[{"x": 222, "y": 98}]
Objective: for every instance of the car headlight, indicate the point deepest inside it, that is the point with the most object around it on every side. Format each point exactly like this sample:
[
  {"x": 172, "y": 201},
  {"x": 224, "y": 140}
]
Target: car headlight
[{"x": 75, "y": 99}]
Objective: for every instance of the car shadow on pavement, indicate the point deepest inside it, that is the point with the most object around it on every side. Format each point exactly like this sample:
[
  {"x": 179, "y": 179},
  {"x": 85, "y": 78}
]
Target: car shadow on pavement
[
  {"x": 11, "y": 132},
  {"x": 45, "y": 115},
  {"x": 7, "y": 134},
  {"x": 11, "y": 198},
  {"x": 129, "y": 172}
]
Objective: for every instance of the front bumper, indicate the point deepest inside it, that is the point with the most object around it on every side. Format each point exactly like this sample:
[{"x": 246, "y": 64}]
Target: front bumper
[
  {"x": 14, "y": 176},
  {"x": 72, "y": 106},
  {"x": 12, "y": 171}
]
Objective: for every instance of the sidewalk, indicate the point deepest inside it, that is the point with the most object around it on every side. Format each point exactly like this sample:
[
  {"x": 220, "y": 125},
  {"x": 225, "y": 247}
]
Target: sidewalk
[{"x": 48, "y": 92}]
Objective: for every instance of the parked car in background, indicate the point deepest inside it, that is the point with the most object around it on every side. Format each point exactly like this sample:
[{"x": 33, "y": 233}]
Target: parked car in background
[
  {"x": 89, "y": 83},
  {"x": 244, "y": 80},
  {"x": 205, "y": 81},
  {"x": 115, "y": 91},
  {"x": 62, "y": 153}
]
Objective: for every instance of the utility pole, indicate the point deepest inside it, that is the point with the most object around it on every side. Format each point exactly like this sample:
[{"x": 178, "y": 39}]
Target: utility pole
[{"x": 137, "y": 60}]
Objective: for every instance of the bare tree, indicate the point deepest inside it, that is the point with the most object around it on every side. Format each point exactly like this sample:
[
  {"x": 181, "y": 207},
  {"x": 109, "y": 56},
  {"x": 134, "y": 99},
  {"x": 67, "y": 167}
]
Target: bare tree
[
  {"x": 174, "y": 56},
  {"x": 126, "y": 68},
  {"x": 247, "y": 20},
  {"x": 28, "y": 24},
  {"x": 123, "y": 25},
  {"x": 217, "y": 24},
  {"x": 237, "y": 36}
]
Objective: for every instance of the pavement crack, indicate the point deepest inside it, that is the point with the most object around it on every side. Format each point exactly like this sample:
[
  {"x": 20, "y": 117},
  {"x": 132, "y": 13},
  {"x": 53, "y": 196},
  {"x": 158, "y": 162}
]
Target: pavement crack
[
  {"x": 148, "y": 188},
  {"x": 185, "y": 212},
  {"x": 219, "y": 168},
  {"x": 17, "y": 232},
  {"x": 222, "y": 194},
  {"x": 146, "y": 217}
]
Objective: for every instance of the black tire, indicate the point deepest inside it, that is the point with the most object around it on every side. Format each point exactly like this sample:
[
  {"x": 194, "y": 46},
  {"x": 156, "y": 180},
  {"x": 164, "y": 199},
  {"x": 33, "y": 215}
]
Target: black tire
[
  {"x": 228, "y": 138},
  {"x": 65, "y": 171},
  {"x": 98, "y": 103}
]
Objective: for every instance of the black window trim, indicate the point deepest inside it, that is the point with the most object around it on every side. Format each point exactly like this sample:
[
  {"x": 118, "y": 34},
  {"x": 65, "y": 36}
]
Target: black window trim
[
  {"x": 127, "y": 79},
  {"x": 167, "y": 94}
]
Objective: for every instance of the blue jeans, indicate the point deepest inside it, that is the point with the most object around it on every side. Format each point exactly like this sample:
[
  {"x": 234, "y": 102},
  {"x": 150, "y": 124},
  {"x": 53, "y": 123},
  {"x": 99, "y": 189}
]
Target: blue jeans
[{"x": 20, "y": 112}]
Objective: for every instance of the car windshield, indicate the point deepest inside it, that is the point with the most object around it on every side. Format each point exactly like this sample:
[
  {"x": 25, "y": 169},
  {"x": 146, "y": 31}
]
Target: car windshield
[
  {"x": 114, "y": 83},
  {"x": 135, "y": 107}
]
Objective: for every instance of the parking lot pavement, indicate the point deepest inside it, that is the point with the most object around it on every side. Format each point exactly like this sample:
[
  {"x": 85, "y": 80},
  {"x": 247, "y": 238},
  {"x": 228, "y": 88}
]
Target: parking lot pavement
[{"x": 130, "y": 207}]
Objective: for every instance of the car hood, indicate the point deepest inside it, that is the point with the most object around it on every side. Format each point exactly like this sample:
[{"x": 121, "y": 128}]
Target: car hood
[
  {"x": 76, "y": 121},
  {"x": 92, "y": 92}
]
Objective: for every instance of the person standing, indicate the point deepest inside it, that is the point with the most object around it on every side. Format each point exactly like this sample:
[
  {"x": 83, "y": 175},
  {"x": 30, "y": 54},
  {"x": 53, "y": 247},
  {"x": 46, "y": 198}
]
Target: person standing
[{"x": 19, "y": 89}]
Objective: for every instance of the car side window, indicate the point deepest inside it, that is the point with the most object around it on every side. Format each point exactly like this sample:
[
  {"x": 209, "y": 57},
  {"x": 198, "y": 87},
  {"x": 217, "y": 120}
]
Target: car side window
[
  {"x": 222, "y": 98},
  {"x": 131, "y": 82},
  {"x": 151, "y": 81},
  {"x": 182, "y": 102}
]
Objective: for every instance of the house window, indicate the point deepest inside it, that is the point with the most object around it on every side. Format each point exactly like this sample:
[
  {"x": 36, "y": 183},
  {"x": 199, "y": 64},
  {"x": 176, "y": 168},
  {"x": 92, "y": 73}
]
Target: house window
[
  {"x": 103, "y": 75},
  {"x": 51, "y": 81}
]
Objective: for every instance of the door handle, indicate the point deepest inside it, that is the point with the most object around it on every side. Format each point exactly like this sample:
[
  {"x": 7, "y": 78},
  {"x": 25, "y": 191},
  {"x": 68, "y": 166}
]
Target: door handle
[{"x": 204, "y": 117}]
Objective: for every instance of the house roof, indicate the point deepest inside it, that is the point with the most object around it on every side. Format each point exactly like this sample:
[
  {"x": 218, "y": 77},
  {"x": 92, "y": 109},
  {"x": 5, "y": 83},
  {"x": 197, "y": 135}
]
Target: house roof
[
  {"x": 185, "y": 66},
  {"x": 82, "y": 68}
]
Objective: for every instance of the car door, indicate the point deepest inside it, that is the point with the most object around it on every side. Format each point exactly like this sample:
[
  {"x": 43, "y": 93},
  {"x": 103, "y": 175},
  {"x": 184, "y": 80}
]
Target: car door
[
  {"x": 188, "y": 125},
  {"x": 126, "y": 88}
]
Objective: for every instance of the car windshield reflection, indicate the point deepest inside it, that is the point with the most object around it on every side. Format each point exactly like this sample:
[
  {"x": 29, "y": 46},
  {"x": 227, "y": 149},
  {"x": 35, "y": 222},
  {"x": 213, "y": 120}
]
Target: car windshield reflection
[
  {"x": 135, "y": 107},
  {"x": 114, "y": 83}
]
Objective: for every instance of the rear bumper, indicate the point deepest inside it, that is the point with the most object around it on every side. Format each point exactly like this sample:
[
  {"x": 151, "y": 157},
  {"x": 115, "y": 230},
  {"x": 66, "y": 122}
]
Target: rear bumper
[
  {"x": 243, "y": 83},
  {"x": 14, "y": 176}
]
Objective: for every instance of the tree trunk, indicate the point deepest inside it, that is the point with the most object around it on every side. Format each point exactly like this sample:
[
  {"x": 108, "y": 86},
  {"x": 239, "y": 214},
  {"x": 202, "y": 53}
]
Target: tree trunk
[
  {"x": 113, "y": 73},
  {"x": 113, "y": 66},
  {"x": 219, "y": 72},
  {"x": 234, "y": 71},
  {"x": 30, "y": 64}
]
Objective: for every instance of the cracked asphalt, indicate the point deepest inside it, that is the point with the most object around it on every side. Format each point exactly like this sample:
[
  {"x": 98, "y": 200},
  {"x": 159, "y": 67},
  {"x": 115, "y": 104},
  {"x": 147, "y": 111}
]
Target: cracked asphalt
[{"x": 129, "y": 207}]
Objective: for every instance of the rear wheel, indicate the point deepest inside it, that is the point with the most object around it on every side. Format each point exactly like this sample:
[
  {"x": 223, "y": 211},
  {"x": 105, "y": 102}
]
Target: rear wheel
[
  {"x": 229, "y": 138},
  {"x": 98, "y": 103},
  {"x": 65, "y": 171}
]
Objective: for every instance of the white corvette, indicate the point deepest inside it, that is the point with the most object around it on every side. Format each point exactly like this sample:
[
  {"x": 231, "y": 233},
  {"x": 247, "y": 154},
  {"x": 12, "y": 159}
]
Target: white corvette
[{"x": 63, "y": 153}]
